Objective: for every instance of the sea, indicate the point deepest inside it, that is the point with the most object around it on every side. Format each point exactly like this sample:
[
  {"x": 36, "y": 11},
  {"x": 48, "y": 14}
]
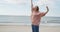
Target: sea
[{"x": 26, "y": 20}]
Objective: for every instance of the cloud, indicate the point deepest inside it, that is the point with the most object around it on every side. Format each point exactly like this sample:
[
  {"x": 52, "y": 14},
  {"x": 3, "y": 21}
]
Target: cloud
[
  {"x": 15, "y": 1},
  {"x": 44, "y": 2},
  {"x": 10, "y": 1}
]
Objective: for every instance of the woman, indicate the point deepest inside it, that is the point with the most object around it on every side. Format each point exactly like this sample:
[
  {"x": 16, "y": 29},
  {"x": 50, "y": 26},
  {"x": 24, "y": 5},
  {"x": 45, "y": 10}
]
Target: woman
[{"x": 36, "y": 17}]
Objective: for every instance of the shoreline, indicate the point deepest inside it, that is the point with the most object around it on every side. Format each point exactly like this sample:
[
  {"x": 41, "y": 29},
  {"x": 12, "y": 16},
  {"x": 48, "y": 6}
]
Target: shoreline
[{"x": 18, "y": 24}]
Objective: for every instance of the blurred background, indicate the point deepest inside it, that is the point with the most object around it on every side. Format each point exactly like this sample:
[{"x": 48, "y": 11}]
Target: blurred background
[{"x": 15, "y": 15}]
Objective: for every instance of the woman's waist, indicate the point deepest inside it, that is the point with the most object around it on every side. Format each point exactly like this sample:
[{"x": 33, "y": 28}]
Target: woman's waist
[
  {"x": 35, "y": 23},
  {"x": 38, "y": 20}
]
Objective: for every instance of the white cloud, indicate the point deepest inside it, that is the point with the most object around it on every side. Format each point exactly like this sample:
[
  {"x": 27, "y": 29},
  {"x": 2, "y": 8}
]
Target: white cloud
[
  {"x": 15, "y": 1},
  {"x": 10, "y": 1},
  {"x": 39, "y": 2},
  {"x": 43, "y": 2}
]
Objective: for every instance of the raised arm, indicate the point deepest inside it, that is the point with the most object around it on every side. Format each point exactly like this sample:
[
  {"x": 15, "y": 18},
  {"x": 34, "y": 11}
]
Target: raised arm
[
  {"x": 44, "y": 13},
  {"x": 47, "y": 10},
  {"x": 31, "y": 6}
]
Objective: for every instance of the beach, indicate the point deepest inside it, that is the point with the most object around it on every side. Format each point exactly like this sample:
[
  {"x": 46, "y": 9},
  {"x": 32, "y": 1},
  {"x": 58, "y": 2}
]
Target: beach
[{"x": 27, "y": 28}]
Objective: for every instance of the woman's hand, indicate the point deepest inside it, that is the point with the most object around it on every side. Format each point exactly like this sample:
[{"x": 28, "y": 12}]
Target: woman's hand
[{"x": 47, "y": 8}]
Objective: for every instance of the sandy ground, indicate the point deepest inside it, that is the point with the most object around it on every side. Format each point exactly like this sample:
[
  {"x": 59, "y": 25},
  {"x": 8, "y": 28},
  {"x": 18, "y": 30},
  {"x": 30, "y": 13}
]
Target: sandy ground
[{"x": 27, "y": 28}]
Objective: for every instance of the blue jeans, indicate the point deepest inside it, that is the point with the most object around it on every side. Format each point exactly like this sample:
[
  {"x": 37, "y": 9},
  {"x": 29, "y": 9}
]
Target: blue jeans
[{"x": 35, "y": 28}]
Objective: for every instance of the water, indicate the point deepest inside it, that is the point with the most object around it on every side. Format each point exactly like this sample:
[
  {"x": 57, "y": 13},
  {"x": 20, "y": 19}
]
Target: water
[{"x": 27, "y": 20}]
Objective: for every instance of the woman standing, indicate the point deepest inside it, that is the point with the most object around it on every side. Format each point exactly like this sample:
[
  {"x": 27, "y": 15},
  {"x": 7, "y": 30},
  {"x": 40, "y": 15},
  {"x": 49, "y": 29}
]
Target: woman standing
[{"x": 36, "y": 17}]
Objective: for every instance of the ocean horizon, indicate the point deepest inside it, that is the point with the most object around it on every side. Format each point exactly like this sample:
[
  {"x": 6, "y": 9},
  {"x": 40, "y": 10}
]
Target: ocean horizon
[{"x": 25, "y": 20}]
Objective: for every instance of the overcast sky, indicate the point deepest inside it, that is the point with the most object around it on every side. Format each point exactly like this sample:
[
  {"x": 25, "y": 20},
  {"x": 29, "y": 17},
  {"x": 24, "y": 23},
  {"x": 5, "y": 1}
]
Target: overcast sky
[{"x": 23, "y": 7}]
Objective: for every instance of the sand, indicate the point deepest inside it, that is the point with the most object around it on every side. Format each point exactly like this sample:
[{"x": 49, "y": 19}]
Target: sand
[{"x": 27, "y": 28}]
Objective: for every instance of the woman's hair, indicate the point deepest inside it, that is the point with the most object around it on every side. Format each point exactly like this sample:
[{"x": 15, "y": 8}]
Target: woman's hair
[{"x": 37, "y": 9}]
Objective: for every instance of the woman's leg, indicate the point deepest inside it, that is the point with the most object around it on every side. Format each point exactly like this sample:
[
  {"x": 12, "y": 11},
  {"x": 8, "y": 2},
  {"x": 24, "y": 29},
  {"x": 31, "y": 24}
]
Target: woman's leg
[{"x": 35, "y": 28}]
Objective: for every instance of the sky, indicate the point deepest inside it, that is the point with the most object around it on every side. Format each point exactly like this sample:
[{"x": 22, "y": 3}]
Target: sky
[{"x": 23, "y": 7}]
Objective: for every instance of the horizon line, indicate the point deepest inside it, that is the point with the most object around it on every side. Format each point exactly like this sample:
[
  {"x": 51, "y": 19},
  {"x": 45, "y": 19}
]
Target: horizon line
[{"x": 27, "y": 15}]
